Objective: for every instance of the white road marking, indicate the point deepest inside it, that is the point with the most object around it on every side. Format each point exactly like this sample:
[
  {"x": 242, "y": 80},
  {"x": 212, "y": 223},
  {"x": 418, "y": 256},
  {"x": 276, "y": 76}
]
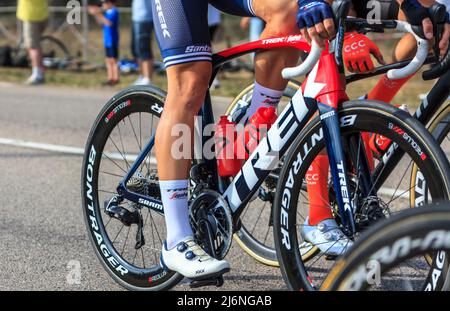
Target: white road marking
[
  {"x": 400, "y": 193},
  {"x": 66, "y": 149},
  {"x": 6, "y": 84}
]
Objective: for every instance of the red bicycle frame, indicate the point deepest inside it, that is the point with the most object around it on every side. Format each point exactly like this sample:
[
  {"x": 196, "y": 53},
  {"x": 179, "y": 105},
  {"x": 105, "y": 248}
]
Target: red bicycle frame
[{"x": 322, "y": 90}]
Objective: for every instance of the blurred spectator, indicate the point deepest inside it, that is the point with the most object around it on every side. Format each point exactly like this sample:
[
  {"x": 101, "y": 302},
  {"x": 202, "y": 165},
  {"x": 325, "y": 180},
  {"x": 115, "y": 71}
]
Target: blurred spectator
[
  {"x": 34, "y": 15},
  {"x": 110, "y": 22},
  {"x": 214, "y": 20},
  {"x": 141, "y": 15}
]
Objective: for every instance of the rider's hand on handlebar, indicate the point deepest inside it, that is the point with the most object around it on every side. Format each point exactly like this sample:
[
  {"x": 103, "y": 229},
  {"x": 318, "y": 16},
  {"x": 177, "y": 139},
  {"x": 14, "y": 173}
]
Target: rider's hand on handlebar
[
  {"x": 357, "y": 51},
  {"x": 443, "y": 44},
  {"x": 315, "y": 20},
  {"x": 417, "y": 15}
]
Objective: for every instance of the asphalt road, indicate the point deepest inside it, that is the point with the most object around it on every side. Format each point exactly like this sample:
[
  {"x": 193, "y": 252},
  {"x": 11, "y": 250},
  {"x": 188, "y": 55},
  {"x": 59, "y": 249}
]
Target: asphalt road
[{"x": 42, "y": 233}]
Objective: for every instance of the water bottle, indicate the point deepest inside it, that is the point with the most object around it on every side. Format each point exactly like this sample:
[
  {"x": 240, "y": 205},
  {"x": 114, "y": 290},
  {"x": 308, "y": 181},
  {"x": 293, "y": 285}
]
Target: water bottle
[
  {"x": 225, "y": 136},
  {"x": 254, "y": 131}
]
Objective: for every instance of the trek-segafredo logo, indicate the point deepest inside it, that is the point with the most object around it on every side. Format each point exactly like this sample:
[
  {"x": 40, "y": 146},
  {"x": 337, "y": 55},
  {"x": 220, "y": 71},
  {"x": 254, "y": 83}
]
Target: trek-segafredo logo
[{"x": 162, "y": 19}]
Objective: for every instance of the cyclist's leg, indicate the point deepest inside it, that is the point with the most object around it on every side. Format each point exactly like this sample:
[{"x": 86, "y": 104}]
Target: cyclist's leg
[
  {"x": 182, "y": 31},
  {"x": 280, "y": 19},
  {"x": 385, "y": 90}
]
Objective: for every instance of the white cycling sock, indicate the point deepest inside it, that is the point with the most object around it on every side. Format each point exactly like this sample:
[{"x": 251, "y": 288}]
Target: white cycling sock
[
  {"x": 174, "y": 195},
  {"x": 263, "y": 97}
]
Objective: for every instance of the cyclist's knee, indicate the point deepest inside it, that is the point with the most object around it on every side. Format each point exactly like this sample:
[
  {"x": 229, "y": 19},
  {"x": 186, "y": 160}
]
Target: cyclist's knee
[
  {"x": 188, "y": 84},
  {"x": 280, "y": 16}
]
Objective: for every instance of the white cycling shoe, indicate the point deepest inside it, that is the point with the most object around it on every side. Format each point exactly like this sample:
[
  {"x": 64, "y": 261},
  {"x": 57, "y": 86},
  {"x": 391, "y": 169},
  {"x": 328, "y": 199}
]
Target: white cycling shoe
[
  {"x": 327, "y": 236},
  {"x": 191, "y": 261}
]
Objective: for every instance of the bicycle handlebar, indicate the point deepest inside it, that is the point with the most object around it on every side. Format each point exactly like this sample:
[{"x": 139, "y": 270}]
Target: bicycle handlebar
[
  {"x": 419, "y": 58},
  {"x": 306, "y": 66},
  {"x": 393, "y": 74},
  {"x": 438, "y": 70},
  {"x": 438, "y": 17}
]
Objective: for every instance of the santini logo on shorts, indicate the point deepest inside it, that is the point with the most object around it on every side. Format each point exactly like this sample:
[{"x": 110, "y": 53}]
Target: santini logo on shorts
[{"x": 198, "y": 48}]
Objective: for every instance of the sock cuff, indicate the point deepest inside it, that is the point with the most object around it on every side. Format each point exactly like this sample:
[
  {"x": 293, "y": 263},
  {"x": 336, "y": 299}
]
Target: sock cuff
[
  {"x": 275, "y": 94},
  {"x": 173, "y": 184}
]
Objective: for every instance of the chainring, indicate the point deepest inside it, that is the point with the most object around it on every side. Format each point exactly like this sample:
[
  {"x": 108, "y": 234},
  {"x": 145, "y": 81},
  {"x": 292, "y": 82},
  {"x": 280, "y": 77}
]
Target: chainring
[{"x": 210, "y": 206}]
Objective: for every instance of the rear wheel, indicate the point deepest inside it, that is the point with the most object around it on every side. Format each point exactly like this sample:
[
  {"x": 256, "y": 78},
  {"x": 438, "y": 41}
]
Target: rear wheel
[
  {"x": 128, "y": 242},
  {"x": 291, "y": 205}
]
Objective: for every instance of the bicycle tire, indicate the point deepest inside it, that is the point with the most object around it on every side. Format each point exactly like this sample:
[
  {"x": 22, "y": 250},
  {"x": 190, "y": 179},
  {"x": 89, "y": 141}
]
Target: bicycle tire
[
  {"x": 407, "y": 228},
  {"x": 145, "y": 99},
  {"x": 439, "y": 127},
  {"x": 366, "y": 116}
]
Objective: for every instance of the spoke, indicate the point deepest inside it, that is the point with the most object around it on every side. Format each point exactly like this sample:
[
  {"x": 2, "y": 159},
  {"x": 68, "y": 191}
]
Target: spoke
[
  {"x": 134, "y": 132},
  {"x": 110, "y": 218},
  {"x": 134, "y": 258},
  {"x": 143, "y": 261},
  {"x": 112, "y": 174},
  {"x": 140, "y": 131},
  {"x": 125, "y": 243},
  {"x": 123, "y": 148},
  {"x": 153, "y": 235},
  {"x": 138, "y": 141},
  {"x": 120, "y": 167},
  {"x": 259, "y": 216},
  {"x": 323, "y": 254},
  {"x": 117, "y": 234},
  {"x": 106, "y": 191},
  {"x": 407, "y": 190},
  {"x": 157, "y": 233},
  {"x": 121, "y": 154},
  {"x": 401, "y": 179},
  {"x": 267, "y": 234}
]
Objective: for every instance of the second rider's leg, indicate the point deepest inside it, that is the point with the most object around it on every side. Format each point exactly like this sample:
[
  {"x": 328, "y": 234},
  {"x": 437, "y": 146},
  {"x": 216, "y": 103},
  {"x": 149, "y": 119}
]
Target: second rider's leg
[{"x": 280, "y": 19}]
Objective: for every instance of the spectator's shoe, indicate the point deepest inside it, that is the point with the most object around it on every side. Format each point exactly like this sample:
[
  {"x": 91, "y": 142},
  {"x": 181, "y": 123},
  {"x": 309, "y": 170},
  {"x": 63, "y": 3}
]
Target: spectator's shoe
[
  {"x": 35, "y": 80},
  {"x": 327, "y": 236},
  {"x": 138, "y": 81},
  {"x": 191, "y": 261},
  {"x": 110, "y": 82},
  {"x": 143, "y": 81},
  {"x": 216, "y": 84}
]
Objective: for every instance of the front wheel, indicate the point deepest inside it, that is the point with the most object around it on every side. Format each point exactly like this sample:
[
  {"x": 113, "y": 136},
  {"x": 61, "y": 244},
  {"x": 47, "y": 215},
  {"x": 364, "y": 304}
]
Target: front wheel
[{"x": 291, "y": 206}]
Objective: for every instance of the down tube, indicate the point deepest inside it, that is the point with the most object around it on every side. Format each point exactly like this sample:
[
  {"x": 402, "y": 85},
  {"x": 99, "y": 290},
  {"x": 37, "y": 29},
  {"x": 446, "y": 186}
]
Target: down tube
[
  {"x": 332, "y": 133},
  {"x": 266, "y": 156}
]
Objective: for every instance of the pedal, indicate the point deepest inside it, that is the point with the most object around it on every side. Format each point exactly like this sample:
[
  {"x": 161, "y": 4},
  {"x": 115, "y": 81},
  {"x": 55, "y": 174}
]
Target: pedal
[{"x": 216, "y": 281}]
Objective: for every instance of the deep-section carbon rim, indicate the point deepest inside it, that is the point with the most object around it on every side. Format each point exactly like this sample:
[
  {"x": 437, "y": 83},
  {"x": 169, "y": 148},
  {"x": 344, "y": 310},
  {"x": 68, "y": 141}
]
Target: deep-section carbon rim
[
  {"x": 414, "y": 230},
  {"x": 139, "y": 103},
  {"x": 358, "y": 116}
]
